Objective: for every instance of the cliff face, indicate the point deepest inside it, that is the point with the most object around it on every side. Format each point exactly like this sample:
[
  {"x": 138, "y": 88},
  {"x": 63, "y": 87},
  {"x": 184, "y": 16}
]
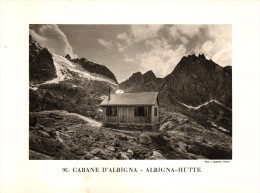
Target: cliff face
[
  {"x": 196, "y": 80},
  {"x": 41, "y": 65}
]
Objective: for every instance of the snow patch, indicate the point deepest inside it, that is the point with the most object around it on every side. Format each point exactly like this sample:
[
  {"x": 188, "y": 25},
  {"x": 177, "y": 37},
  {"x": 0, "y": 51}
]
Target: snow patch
[
  {"x": 103, "y": 97},
  {"x": 64, "y": 67},
  {"x": 61, "y": 65},
  {"x": 90, "y": 121},
  {"x": 72, "y": 67},
  {"x": 120, "y": 91},
  {"x": 33, "y": 88},
  {"x": 204, "y": 104},
  {"x": 100, "y": 110},
  {"x": 220, "y": 128}
]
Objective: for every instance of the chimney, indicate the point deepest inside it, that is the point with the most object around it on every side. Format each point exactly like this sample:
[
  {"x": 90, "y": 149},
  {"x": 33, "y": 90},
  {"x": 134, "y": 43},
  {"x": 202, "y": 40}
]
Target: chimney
[{"x": 108, "y": 93}]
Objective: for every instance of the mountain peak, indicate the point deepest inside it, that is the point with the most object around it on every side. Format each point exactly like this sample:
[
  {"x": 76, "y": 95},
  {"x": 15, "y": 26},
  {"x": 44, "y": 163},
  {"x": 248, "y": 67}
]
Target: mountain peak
[
  {"x": 149, "y": 76},
  {"x": 137, "y": 74},
  {"x": 202, "y": 56},
  {"x": 150, "y": 73},
  {"x": 193, "y": 56},
  {"x": 68, "y": 57}
]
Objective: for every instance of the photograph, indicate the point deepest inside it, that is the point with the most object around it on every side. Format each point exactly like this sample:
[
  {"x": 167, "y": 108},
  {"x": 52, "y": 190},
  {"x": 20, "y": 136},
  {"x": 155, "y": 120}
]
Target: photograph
[
  {"x": 130, "y": 91},
  {"x": 129, "y": 96}
]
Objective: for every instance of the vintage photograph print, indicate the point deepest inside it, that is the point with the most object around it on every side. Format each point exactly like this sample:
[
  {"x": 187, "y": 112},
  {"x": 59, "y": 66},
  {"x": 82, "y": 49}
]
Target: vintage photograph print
[{"x": 130, "y": 92}]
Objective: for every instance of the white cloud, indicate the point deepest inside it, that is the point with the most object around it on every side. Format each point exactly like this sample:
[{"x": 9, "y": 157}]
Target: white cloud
[
  {"x": 53, "y": 38},
  {"x": 145, "y": 31},
  {"x": 161, "y": 59},
  {"x": 178, "y": 33},
  {"x": 207, "y": 48},
  {"x": 223, "y": 57},
  {"x": 128, "y": 59},
  {"x": 127, "y": 41},
  {"x": 219, "y": 48},
  {"x": 105, "y": 43},
  {"x": 125, "y": 37},
  {"x": 121, "y": 47},
  {"x": 215, "y": 42},
  {"x": 189, "y": 30}
]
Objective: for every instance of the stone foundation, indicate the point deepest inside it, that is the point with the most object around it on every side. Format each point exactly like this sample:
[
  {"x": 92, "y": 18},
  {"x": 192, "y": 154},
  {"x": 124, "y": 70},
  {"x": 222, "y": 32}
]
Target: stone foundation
[{"x": 125, "y": 126}]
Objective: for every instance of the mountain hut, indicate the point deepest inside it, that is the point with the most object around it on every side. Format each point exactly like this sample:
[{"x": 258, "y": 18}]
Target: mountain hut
[{"x": 132, "y": 110}]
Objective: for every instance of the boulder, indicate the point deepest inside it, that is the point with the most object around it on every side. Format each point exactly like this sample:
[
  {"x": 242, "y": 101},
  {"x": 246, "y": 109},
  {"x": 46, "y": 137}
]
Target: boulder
[
  {"x": 88, "y": 156},
  {"x": 44, "y": 134},
  {"x": 123, "y": 156},
  {"x": 145, "y": 139},
  {"x": 156, "y": 156},
  {"x": 95, "y": 151},
  {"x": 183, "y": 146},
  {"x": 110, "y": 148},
  {"x": 95, "y": 158},
  {"x": 129, "y": 153},
  {"x": 167, "y": 126}
]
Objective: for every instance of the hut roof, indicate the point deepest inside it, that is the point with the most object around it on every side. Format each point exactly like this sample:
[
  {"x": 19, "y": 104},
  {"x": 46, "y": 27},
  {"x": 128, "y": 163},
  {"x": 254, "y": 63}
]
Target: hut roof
[{"x": 131, "y": 99}]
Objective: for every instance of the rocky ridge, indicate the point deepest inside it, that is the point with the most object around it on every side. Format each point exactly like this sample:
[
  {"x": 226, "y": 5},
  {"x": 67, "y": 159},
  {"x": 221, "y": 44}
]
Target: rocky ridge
[
  {"x": 59, "y": 84},
  {"x": 195, "y": 81},
  {"x": 139, "y": 82}
]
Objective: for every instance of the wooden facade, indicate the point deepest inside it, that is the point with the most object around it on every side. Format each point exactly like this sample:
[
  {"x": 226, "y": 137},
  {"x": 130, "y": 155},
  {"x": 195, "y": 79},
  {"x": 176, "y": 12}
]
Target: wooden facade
[
  {"x": 126, "y": 114},
  {"x": 131, "y": 114}
]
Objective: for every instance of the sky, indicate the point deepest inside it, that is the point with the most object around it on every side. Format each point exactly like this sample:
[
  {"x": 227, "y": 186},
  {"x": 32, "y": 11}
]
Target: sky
[{"x": 126, "y": 49}]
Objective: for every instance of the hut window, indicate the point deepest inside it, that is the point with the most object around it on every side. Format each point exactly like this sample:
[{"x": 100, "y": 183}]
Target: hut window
[
  {"x": 155, "y": 112},
  {"x": 111, "y": 111},
  {"x": 141, "y": 111}
]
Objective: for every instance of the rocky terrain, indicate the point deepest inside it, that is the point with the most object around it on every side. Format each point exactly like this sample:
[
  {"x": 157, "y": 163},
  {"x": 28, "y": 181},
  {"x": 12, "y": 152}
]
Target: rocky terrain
[
  {"x": 65, "y": 116},
  {"x": 63, "y": 135}
]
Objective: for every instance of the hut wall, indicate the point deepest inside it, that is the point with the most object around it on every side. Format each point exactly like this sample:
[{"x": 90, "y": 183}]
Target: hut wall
[
  {"x": 126, "y": 114},
  {"x": 155, "y": 117}
]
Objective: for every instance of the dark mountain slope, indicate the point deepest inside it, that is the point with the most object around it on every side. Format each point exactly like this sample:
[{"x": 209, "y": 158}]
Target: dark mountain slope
[
  {"x": 41, "y": 65},
  {"x": 139, "y": 82},
  {"x": 93, "y": 67},
  {"x": 196, "y": 80}
]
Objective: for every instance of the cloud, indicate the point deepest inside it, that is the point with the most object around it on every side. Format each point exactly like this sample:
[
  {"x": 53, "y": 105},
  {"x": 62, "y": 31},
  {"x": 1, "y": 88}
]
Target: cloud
[
  {"x": 128, "y": 59},
  {"x": 53, "y": 38},
  {"x": 145, "y": 31},
  {"x": 214, "y": 41},
  {"x": 183, "y": 32},
  {"x": 189, "y": 30},
  {"x": 105, "y": 43},
  {"x": 161, "y": 59},
  {"x": 125, "y": 37},
  {"x": 223, "y": 57},
  {"x": 125, "y": 42},
  {"x": 121, "y": 47},
  {"x": 219, "y": 47}
]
